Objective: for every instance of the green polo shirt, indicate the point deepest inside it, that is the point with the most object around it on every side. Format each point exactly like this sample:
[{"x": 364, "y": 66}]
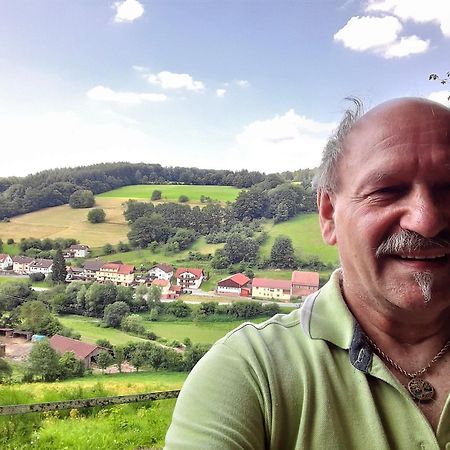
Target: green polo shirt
[{"x": 305, "y": 380}]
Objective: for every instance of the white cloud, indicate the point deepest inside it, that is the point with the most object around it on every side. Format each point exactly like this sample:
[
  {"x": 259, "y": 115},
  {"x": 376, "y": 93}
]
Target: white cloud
[
  {"x": 242, "y": 83},
  {"x": 221, "y": 92},
  {"x": 128, "y": 10},
  {"x": 365, "y": 33},
  {"x": 170, "y": 80},
  {"x": 420, "y": 11},
  {"x": 441, "y": 97},
  {"x": 285, "y": 142},
  {"x": 105, "y": 94},
  {"x": 406, "y": 46},
  {"x": 63, "y": 138}
]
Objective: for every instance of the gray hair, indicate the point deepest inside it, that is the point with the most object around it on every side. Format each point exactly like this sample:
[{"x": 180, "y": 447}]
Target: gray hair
[{"x": 326, "y": 175}]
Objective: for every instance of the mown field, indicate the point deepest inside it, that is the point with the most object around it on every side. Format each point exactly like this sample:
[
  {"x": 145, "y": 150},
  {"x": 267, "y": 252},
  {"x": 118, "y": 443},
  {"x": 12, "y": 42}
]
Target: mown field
[
  {"x": 171, "y": 192},
  {"x": 140, "y": 425},
  {"x": 304, "y": 231},
  {"x": 198, "y": 332}
]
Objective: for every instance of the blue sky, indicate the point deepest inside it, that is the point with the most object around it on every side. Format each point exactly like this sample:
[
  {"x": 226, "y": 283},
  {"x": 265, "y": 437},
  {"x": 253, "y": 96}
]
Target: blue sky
[{"x": 255, "y": 84}]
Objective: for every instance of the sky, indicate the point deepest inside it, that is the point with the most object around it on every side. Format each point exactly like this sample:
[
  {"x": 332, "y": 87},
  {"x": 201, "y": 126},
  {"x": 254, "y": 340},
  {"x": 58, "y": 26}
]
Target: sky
[{"x": 219, "y": 84}]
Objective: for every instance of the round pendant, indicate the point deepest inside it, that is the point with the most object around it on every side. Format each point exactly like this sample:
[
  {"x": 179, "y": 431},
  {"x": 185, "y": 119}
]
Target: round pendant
[{"x": 421, "y": 390}]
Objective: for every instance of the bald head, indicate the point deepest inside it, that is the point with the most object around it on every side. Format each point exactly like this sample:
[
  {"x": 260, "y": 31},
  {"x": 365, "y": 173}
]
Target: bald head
[{"x": 389, "y": 123}]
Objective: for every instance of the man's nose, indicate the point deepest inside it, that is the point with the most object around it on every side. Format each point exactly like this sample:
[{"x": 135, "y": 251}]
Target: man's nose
[{"x": 425, "y": 214}]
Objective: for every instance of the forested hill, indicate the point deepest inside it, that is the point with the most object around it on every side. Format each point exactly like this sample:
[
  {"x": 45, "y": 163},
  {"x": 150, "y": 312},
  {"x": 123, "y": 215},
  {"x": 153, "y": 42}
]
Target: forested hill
[{"x": 54, "y": 187}]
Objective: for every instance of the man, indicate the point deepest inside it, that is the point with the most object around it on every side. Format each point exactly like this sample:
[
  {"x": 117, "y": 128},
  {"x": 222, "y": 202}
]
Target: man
[{"x": 365, "y": 363}]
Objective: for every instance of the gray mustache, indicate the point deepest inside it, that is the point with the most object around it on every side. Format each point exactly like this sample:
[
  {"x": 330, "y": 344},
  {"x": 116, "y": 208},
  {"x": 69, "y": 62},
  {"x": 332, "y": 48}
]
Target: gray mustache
[{"x": 409, "y": 241}]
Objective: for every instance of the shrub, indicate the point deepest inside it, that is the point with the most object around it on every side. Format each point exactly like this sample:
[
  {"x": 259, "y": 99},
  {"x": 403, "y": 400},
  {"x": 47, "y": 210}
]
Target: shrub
[
  {"x": 37, "y": 276},
  {"x": 133, "y": 324},
  {"x": 156, "y": 195},
  {"x": 114, "y": 313},
  {"x": 82, "y": 198},
  {"x": 183, "y": 198},
  {"x": 96, "y": 215},
  {"x": 10, "y": 241}
]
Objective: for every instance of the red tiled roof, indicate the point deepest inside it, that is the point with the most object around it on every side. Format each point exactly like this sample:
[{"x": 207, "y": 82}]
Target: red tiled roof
[
  {"x": 238, "y": 278},
  {"x": 64, "y": 344},
  {"x": 175, "y": 288},
  {"x": 161, "y": 283},
  {"x": 196, "y": 272},
  {"x": 3, "y": 256},
  {"x": 126, "y": 269},
  {"x": 305, "y": 278},
  {"x": 272, "y": 284}
]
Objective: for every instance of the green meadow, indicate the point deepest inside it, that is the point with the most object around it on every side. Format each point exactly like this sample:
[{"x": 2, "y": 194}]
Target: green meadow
[
  {"x": 306, "y": 238},
  {"x": 171, "y": 192}
]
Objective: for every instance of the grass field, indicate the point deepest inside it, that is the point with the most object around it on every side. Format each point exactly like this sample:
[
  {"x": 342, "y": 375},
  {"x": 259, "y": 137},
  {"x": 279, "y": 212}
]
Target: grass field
[
  {"x": 65, "y": 222},
  {"x": 171, "y": 192},
  {"x": 306, "y": 238},
  {"x": 90, "y": 332}
]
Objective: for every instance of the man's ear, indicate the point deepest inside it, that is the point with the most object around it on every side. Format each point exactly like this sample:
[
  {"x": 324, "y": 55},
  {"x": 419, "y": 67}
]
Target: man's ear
[{"x": 325, "y": 203}]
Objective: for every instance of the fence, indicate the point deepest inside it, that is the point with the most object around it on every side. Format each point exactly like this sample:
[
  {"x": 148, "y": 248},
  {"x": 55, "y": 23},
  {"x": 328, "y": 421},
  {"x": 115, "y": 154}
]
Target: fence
[{"x": 85, "y": 403}]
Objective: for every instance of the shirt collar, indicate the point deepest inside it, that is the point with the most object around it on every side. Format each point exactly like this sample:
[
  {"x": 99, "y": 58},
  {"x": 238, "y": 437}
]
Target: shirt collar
[{"x": 326, "y": 316}]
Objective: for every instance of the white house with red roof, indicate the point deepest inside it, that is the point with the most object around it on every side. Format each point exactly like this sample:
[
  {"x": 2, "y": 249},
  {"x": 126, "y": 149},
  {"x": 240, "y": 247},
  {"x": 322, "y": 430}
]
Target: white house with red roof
[
  {"x": 304, "y": 283},
  {"x": 6, "y": 261},
  {"x": 237, "y": 284},
  {"x": 266, "y": 288},
  {"x": 82, "y": 350},
  {"x": 116, "y": 273},
  {"x": 189, "y": 278},
  {"x": 164, "y": 285},
  {"x": 161, "y": 271}
]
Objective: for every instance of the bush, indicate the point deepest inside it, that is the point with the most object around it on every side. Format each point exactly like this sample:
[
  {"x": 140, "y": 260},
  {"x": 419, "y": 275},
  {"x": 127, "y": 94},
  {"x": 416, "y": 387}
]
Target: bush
[
  {"x": 82, "y": 198},
  {"x": 156, "y": 195},
  {"x": 108, "y": 249},
  {"x": 37, "y": 276},
  {"x": 183, "y": 198},
  {"x": 179, "y": 309},
  {"x": 114, "y": 313},
  {"x": 133, "y": 324},
  {"x": 96, "y": 215},
  {"x": 10, "y": 241}
]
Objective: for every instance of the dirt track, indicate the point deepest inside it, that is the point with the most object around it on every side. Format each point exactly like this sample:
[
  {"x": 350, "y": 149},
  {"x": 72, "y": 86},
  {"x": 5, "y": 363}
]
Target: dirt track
[{"x": 17, "y": 349}]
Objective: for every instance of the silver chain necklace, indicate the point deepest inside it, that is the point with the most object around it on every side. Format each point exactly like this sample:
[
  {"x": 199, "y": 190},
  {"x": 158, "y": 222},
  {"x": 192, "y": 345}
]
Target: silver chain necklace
[{"x": 420, "y": 389}]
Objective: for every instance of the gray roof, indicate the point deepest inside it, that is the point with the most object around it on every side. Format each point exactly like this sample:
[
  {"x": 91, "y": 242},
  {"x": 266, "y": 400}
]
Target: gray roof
[{"x": 94, "y": 264}]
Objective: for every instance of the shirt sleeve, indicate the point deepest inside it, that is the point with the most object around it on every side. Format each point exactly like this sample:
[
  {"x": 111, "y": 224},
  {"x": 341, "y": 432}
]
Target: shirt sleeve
[{"x": 220, "y": 406}]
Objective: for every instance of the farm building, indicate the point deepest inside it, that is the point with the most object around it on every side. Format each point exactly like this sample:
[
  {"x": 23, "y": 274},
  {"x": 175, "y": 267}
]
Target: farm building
[
  {"x": 189, "y": 278},
  {"x": 82, "y": 350},
  {"x": 304, "y": 283},
  {"x": 237, "y": 284},
  {"x": 266, "y": 288}
]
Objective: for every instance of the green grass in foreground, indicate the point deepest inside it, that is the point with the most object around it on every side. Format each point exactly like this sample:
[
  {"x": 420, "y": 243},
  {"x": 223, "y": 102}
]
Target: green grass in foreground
[
  {"x": 171, "y": 192},
  {"x": 133, "y": 426},
  {"x": 306, "y": 238},
  {"x": 90, "y": 332}
]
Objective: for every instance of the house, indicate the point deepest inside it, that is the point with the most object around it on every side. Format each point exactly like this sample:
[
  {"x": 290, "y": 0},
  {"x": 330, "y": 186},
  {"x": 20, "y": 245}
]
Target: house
[
  {"x": 116, "y": 273},
  {"x": 304, "y": 283},
  {"x": 21, "y": 264},
  {"x": 266, "y": 288},
  {"x": 189, "y": 278},
  {"x": 164, "y": 285},
  {"x": 82, "y": 350},
  {"x": 237, "y": 284},
  {"x": 77, "y": 251},
  {"x": 43, "y": 266},
  {"x": 74, "y": 273},
  {"x": 6, "y": 261},
  {"x": 174, "y": 292},
  {"x": 161, "y": 271},
  {"x": 90, "y": 268}
]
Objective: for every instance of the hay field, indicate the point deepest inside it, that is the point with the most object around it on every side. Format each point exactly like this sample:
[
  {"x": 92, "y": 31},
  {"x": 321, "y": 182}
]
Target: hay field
[{"x": 65, "y": 222}]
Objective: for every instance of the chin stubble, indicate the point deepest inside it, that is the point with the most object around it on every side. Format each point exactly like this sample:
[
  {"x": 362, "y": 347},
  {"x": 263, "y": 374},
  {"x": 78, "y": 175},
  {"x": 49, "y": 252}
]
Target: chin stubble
[{"x": 425, "y": 282}]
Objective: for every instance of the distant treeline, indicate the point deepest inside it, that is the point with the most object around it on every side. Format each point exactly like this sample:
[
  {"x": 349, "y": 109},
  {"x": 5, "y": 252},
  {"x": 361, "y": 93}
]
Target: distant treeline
[{"x": 19, "y": 195}]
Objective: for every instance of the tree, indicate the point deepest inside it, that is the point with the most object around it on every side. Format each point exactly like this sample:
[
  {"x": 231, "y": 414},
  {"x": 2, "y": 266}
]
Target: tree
[
  {"x": 139, "y": 302},
  {"x": 96, "y": 215},
  {"x": 36, "y": 317},
  {"x": 133, "y": 324},
  {"x": 156, "y": 195},
  {"x": 114, "y": 313},
  {"x": 59, "y": 271},
  {"x": 153, "y": 296},
  {"x": 179, "y": 309},
  {"x": 98, "y": 296},
  {"x": 183, "y": 237},
  {"x": 14, "y": 294},
  {"x": 43, "y": 361},
  {"x": 123, "y": 247},
  {"x": 108, "y": 249},
  {"x": 238, "y": 248},
  {"x": 5, "y": 370},
  {"x": 138, "y": 358},
  {"x": 119, "y": 357},
  {"x": 282, "y": 254},
  {"x": 104, "y": 360},
  {"x": 193, "y": 354},
  {"x": 148, "y": 229},
  {"x": 104, "y": 343},
  {"x": 82, "y": 198},
  {"x": 183, "y": 198},
  {"x": 70, "y": 366}
]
